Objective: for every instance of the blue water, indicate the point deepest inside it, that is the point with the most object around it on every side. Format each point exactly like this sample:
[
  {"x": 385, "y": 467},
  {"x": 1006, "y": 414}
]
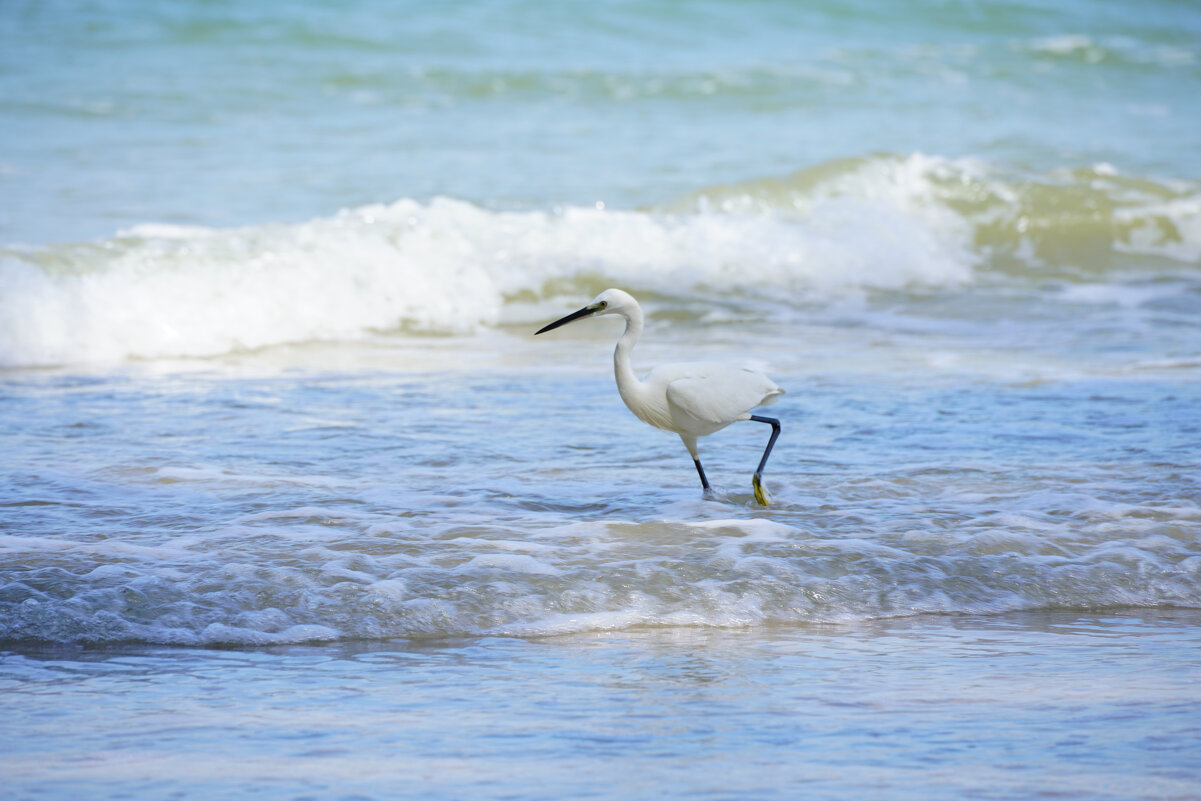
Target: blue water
[
  {"x": 288, "y": 486},
  {"x": 1090, "y": 706}
]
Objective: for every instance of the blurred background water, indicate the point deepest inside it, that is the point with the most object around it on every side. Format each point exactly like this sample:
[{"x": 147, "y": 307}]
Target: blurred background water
[{"x": 280, "y": 455}]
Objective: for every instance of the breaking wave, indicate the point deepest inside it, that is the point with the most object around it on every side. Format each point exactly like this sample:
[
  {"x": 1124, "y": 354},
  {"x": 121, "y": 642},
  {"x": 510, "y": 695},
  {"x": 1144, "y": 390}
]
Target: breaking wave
[
  {"x": 278, "y": 577},
  {"x": 447, "y": 266}
]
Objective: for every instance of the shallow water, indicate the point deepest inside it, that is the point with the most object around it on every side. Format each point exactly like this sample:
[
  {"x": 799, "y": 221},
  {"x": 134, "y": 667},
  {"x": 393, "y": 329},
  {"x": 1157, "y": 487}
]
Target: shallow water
[
  {"x": 199, "y": 509},
  {"x": 286, "y": 480},
  {"x": 1018, "y": 706}
]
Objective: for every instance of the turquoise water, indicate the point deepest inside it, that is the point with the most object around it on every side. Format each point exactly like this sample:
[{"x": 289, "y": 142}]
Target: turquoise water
[
  {"x": 289, "y": 486},
  {"x": 231, "y": 114}
]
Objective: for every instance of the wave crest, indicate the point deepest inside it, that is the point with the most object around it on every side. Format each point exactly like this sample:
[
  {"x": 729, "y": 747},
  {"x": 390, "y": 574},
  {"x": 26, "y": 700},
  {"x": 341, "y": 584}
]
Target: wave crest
[{"x": 448, "y": 266}]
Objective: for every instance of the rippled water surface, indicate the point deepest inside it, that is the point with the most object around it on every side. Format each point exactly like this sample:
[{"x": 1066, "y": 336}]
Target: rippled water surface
[
  {"x": 194, "y": 509},
  {"x": 1015, "y": 707},
  {"x": 287, "y": 484}
]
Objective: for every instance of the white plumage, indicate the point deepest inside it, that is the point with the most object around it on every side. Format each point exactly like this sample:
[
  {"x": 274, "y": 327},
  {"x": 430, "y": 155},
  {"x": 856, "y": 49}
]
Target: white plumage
[{"x": 693, "y": 399}]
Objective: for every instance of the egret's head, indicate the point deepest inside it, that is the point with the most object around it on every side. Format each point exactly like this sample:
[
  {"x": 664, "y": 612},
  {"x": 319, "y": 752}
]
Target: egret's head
[{"x": 611, "y": 301}]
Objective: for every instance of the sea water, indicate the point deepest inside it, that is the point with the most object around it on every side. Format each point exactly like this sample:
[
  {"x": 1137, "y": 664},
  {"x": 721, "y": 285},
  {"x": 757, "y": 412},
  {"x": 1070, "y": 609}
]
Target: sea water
[{"x": 294, "y": 505}]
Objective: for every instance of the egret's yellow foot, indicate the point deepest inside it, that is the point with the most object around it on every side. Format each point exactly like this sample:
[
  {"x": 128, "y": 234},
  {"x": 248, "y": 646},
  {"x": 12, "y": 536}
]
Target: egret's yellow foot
[{"x": 760, "y": 493}]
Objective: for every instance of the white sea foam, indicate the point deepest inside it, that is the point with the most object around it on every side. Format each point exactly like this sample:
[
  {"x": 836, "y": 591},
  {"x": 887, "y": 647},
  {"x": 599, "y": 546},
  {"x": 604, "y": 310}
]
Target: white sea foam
[
  {"x": 1063, "y": 45},
  {"x": 1171, "y": 228},
  {"x": 448, "y": 266},
  {"x": 593, "y": 577}
]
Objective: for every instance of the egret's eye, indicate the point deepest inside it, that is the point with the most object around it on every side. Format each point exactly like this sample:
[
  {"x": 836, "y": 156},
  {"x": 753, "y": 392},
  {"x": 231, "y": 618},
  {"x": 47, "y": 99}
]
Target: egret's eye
[{"x": 604, "y": 304}]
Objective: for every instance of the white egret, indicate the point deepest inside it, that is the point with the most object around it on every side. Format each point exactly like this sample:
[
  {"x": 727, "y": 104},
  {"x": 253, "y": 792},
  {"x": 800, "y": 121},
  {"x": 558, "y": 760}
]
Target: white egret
[{"x": 691, "y": 399}]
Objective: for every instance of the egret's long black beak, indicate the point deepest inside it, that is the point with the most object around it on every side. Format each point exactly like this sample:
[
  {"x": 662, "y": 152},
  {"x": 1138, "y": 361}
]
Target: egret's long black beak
[{"x": 584, "y": 312}]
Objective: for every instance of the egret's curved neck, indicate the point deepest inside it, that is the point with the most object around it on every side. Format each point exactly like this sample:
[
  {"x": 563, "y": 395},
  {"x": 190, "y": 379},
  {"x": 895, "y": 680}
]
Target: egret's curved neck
[{"x": 627, "y": 382}]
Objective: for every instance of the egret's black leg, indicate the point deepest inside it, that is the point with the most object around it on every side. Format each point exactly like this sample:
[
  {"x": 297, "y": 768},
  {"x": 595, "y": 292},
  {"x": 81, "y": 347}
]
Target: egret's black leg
[
  {"x": 757, "y": 479},
  {"x": 701, "y": 472}
]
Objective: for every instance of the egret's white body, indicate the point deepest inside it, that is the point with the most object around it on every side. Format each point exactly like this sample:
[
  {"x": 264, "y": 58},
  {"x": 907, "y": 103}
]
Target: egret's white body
[{"x": 693, "y": 399}]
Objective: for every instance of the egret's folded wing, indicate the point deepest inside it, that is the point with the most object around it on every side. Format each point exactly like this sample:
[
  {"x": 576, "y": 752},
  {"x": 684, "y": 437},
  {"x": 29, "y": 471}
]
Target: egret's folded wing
[{"x": 721, "y": 394}]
